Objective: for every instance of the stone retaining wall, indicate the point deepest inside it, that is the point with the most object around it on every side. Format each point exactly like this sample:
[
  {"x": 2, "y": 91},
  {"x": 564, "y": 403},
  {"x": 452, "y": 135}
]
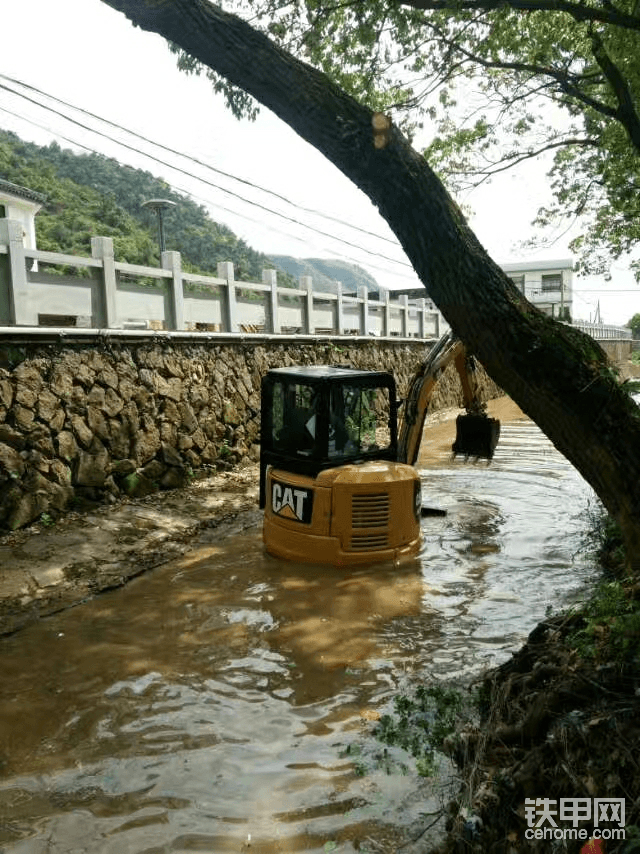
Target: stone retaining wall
[{"x": 84, "y": 422}]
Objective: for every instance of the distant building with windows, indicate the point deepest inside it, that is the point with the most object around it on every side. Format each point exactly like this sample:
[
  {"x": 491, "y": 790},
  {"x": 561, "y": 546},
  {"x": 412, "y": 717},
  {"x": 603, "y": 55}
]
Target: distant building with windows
[{"x": 546, "y": 284}]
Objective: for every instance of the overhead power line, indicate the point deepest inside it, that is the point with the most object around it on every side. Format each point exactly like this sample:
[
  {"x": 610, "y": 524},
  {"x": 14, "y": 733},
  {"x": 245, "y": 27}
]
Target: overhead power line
[
  {"x": 373, "y": 266},
  {"x": 200, "y": 163}
]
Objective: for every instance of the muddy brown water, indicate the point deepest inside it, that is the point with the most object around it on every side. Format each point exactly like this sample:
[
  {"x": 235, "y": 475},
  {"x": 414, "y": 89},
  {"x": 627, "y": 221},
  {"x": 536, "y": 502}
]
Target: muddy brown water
[{"x": 224, "y": 702}]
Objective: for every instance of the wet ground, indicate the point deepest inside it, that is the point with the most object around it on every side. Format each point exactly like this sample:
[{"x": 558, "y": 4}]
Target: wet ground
[{"x": 223, "y": 702}]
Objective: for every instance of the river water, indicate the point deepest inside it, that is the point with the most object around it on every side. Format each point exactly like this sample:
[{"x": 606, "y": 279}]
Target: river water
[{"x": 223, "y": 703}]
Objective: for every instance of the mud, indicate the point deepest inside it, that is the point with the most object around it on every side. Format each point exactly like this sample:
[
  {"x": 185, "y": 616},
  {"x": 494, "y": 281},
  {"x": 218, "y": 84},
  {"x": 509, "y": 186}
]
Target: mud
[
  {"x": 44, "y": 569},
  {"x": 556, "y": 725}
]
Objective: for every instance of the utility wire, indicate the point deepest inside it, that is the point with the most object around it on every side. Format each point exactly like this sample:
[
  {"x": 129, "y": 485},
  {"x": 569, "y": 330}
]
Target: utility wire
[
  {"x": 196, "y": 177},
  {"x": 216, "y": 204},
  {"x": 194, "y": 159}
]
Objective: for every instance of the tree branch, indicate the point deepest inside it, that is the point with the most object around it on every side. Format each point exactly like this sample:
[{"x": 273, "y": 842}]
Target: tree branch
[
  {"x": 578, "y": 11},
  {"x": 626, "y": 113},
  {"x": 569, "y": 84}
]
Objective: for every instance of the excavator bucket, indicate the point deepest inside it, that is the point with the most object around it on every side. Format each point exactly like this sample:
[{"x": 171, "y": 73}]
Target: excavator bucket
[{"x": 476, "y": 435}]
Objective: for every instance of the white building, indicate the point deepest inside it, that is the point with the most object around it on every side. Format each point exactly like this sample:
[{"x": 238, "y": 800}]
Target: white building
[
  {"x": 21, "y": 204},
  {"x": 546, "y": 284}
]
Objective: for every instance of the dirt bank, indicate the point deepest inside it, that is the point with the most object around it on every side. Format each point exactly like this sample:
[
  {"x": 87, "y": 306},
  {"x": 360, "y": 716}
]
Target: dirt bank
[
  {"x": 559, "y": 725},
  {"x": 46, "y": 568}
]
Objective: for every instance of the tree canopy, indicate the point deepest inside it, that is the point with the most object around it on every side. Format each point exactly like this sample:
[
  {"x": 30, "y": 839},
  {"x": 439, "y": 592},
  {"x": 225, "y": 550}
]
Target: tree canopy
[
  {"x": 634, "y": 325},
  {"x": 494, "y": 83}
]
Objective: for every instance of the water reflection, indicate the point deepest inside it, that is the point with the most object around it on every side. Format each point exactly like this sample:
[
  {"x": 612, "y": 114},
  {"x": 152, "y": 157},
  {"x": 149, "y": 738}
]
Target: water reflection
[{"x": 215, "y": 698}]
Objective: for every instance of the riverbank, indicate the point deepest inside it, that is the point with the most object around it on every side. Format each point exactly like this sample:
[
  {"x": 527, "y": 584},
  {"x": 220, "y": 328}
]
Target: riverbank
[
  {"x": 46, "y": 568},
  {"x": 559, "y": 726}
]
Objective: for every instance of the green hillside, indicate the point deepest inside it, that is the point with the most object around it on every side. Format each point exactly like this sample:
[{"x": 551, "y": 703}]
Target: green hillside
[
  {"x": 326, "y": 273},
  {"x": 89, "y": 195}
]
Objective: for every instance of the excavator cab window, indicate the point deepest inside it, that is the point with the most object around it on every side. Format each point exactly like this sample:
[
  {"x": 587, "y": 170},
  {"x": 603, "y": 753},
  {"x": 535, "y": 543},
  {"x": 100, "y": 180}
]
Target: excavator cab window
[
  {"x": 293, "y": 417},
  {"x": 317, "y": 417},
  {"x": 358, "y": 421}
]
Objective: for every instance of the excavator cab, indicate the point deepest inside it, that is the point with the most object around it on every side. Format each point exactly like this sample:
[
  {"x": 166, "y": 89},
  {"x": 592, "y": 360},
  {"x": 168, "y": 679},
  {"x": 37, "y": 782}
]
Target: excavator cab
[
  {"x": 319, "y": 417},
  {"x": 330, "y": 483}
]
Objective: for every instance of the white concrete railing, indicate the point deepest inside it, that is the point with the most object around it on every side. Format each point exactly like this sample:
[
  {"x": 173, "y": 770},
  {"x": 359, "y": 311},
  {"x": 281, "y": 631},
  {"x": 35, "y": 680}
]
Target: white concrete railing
[
  {"x": 602, "y": 331},
  {"x": 115, "y": 295}
]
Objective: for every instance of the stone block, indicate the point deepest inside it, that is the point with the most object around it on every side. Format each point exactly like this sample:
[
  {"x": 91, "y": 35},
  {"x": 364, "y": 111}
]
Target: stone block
[
  {"x": 48, "y": 405},
  {"x": 108, "y": 377},
  {"x": 26, "y": 396},
  {"x": 98, "y": 423},
  {"x": 26, "y": 509},
  {"x": 23, "y": 417},
  {"x": 170, "y": 456},
  {"x": 6, "y": 393},
  {"x": 113, "y": 403},
  {"x": 11, "y": 462},
  {"x": 123, "y": 467},
  {"x": 92, "y": 468},
  {"x": 174, "y": 478},
  {"x": 189, "y": 420},
  {"x": 60, "y": 472},
  {"x": 12, "y": 437},
  {"x": 154, "y": 470},
  {"x": 81, "y": 431},
  {"x": 62, "y": 383},
  {"x": 95, "y": 397},
  {"x": 136, "y": 485},
  {"x": 67, "y": 446},
  {"x": 146, "y": 445}
]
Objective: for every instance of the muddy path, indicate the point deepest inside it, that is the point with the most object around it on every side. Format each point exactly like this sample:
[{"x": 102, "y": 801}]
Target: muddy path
[{"x": 46, "y": 569}]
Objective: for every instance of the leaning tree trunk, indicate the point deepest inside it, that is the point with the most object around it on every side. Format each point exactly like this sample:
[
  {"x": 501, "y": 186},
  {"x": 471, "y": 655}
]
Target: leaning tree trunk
[{"x": 559, "y": 377}]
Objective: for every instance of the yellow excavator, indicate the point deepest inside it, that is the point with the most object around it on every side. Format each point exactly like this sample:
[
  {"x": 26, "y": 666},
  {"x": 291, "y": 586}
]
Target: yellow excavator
[{"x": 337, "y": 478}]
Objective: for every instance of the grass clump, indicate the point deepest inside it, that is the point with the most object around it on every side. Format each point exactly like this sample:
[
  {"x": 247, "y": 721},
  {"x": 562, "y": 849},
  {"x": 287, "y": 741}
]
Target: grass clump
[{"x": 610, "y": 629}]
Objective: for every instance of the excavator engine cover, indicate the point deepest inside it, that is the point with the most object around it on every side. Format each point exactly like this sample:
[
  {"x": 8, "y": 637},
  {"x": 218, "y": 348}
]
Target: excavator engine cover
[{"x": 476, "y": 436}]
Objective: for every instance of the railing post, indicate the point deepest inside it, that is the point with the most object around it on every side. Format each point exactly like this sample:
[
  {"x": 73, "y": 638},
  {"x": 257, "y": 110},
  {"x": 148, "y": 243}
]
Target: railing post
[
  {"x": 225, "y": 271},
  {"x": 172, "y": 261},
  {"x": 404, "y": 302},
  {"x": 17, "y": 285},
  {"x": 386, "y": 319},
  {"x": 422, "y": 320},
  {"x": 306, "y": 284},
  {"x": 102, "y": 249},
  {"x": 339, "y": 310},
  {"x": 270, "y": 277},
  {"x": 364, "y": 310},
  {"x": 436, "y": 324}
]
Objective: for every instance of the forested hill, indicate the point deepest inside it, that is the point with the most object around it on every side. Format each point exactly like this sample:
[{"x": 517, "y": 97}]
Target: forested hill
[
  {"x": 89, "y": 195},
  {"x": 326, "y": 272}
]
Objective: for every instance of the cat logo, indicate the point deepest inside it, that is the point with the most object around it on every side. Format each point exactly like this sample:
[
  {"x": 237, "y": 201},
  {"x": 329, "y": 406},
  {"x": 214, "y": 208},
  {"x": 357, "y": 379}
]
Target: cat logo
[{"x": 291, "y": 502}]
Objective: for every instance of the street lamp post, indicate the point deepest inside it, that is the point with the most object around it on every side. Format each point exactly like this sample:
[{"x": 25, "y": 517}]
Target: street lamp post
[{"x": 159, "y": 206}]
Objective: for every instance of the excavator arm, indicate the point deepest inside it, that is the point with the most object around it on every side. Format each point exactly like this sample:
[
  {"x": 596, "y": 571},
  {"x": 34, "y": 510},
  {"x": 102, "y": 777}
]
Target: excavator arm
[{"x": 476, "y": 434}]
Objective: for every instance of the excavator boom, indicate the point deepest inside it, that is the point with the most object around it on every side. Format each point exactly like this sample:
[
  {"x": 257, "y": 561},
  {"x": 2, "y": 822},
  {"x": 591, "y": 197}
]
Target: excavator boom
[{"x": 476, "y": 434}]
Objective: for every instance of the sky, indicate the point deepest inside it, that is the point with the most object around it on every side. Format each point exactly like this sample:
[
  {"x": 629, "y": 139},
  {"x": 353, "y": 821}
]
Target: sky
[{"x": 86, "y": 54}]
